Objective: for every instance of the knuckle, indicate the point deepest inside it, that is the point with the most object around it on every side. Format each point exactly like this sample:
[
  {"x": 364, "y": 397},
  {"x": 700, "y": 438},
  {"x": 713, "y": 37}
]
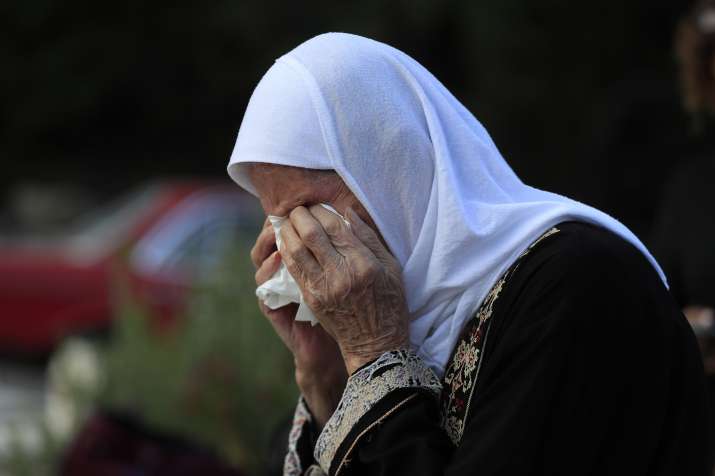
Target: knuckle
[
  {"x": 368, "y": 269},
  {"x": 334, "y": 228},
  {"x": 294, "y": 248},
  {"x": 373, "y": 267},
  {"x": 262, "y": 247},
  {"x": 263, "y": 273},
  {"x": 311, "y": 234},
  {"x": 296, "y": 212},
  {"x": 342, "y": 285}
]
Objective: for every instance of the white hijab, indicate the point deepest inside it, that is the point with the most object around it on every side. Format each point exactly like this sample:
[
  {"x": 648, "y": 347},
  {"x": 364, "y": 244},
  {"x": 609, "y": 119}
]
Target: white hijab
[{"x": 451, "y": 210}]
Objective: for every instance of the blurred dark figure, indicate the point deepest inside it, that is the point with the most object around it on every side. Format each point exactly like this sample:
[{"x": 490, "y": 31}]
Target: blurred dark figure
[
  {"x": 684, "y": 239},
  {"x": 112, "y": 444},
  {"x": 685, "y": 228}
]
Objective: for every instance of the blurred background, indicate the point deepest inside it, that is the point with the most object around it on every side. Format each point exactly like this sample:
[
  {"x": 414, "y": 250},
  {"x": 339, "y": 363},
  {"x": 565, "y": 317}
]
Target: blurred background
[{"x": 127, "y": 312}]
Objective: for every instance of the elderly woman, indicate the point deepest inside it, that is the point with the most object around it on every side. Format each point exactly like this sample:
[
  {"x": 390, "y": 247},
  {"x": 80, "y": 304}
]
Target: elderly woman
[{"x": 469, "y": 323}]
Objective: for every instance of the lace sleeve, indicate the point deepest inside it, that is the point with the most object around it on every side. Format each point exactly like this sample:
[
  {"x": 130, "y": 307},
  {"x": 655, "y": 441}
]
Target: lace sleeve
[
  {"x": 400, "y": 369},
  {"x": 299, "y": 460}
]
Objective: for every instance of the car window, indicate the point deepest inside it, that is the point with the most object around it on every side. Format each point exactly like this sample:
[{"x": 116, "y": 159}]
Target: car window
[
  {"x": 196, "y": 236},
  {"x": 202, "y": 253}
]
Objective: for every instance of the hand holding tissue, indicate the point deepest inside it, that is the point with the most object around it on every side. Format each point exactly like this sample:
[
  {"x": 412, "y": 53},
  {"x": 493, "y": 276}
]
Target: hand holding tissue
[{"x": 281, "y": 289}]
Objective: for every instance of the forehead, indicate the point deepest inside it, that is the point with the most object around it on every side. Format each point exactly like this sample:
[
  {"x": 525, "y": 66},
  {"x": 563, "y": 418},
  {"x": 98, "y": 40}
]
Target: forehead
[
  {"x": 274, "y": 176},
  {"x": 259, "y": 170},
  {"x": 281, "y": 187}
]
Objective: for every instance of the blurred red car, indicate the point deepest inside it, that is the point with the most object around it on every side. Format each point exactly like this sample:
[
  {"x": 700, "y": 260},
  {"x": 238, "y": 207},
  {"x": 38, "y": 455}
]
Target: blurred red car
[{"x": 159, "y": 239}]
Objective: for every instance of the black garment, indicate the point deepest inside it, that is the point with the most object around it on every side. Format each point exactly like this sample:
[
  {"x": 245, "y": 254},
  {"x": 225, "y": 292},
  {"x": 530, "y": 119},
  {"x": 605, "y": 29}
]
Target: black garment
[
  {"x": 589, "y": 368},
  {"x": 684, "y": 238},
  {"x": 684, "y": 242}
]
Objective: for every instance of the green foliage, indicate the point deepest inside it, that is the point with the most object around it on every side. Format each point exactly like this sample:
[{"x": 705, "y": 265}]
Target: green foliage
[{"x": 220, "y": 377}]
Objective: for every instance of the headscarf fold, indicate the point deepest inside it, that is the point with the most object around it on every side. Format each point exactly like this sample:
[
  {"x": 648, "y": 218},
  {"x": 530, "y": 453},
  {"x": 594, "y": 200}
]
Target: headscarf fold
[{"x": 450, "y": 208}]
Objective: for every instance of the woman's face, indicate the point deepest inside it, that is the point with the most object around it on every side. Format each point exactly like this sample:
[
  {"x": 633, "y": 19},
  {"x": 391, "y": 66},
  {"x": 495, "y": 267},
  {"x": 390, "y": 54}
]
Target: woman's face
[{"x": 282, "y": 188}]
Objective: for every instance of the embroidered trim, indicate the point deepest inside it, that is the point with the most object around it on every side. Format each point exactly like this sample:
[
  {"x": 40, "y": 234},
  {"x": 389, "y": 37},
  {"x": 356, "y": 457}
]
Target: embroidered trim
[
  {"x": 365, "y": 388},
  {"x": 314, "y": 470},
  {"x": 462, "y": 372},
  {"x": 370, "y": 427},
  {"x": 292, "y": 465}
]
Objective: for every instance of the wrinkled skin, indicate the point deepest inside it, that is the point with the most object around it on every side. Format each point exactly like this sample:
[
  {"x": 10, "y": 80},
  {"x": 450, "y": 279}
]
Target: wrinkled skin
[{"x": 348, "y": 278}]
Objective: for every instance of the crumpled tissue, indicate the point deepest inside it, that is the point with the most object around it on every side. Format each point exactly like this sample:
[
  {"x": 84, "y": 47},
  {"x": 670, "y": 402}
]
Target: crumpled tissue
[{"x": 282, "y": 289}]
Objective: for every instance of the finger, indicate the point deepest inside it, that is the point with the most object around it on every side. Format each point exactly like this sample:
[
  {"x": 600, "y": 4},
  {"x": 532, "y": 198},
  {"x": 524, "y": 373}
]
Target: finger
[
  {"x": 313, "y": 235},
  {"x": 268, "y": 268},
  {"x": 264, "y": 246},
  {"x": 366, "y": 234},
  {"x": 300, "y": 262},
  {"x": 333, "y": 224},
  {"x": 281, "y": 320},
  {"x": 346, "y": 243}
]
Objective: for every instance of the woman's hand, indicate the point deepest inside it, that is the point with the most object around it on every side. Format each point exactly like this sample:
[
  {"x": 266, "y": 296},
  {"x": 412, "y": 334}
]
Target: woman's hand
[
  {"x": 319, "y": 369},
  {"x": 350, "y": 281}
]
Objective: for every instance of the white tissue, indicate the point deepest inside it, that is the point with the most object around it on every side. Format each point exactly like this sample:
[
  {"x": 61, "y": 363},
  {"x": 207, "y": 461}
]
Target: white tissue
[{"x": 282, "y": 289}]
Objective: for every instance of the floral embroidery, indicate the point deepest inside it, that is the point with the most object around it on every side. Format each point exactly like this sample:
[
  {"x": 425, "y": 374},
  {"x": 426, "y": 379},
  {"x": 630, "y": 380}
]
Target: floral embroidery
[
  {"x": 301, "y": 417},
  {"x": 461, "y": 374},
  {"x": 404, "y": 369},
  {"x": 314, "y": 470},
  {"x": 366, "y": 387}
]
